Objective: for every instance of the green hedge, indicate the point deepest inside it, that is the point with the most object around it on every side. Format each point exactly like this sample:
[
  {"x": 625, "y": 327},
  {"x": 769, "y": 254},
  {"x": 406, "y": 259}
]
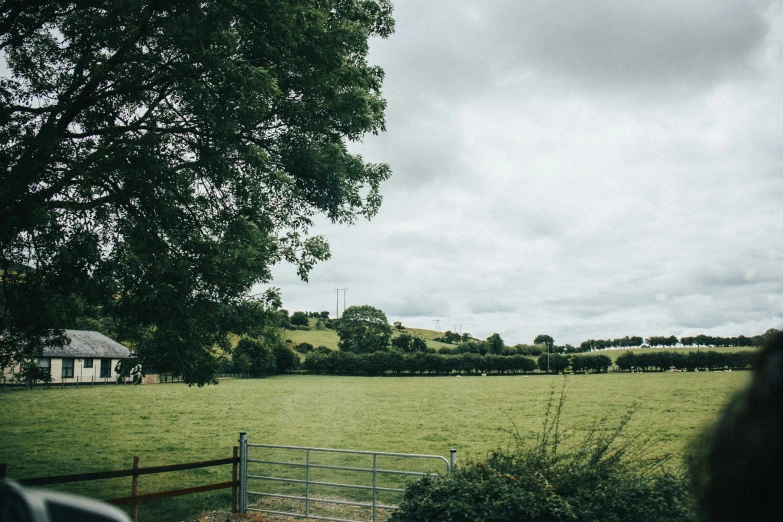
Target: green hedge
[{"x": 416, "y": 363}]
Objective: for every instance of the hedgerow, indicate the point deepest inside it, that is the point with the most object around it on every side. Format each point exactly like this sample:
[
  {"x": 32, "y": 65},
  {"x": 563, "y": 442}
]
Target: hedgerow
[
  {"x": 655, "y": 360},
  {"x": 397, "y": 362},
  {"x": 607, "y": 476}
]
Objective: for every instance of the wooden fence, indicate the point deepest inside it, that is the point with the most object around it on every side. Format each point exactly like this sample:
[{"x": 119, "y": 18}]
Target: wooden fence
[{"x": 135, "y": 499}]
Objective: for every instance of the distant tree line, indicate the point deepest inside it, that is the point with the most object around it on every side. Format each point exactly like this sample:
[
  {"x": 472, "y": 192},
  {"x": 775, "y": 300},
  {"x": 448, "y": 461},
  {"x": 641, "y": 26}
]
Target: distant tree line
[
  {"x": 691, "y": 361},
  {"x": 740, "y": 340},
  {"x": 396, "y": 362},
  {"x": 450, "y": 337},
  {"x": 669, "y": 341},
  {"x": 487, "y": 347},
  {"x": 368, "y": 347},
  {"x": 602, "y": 344},
  {"x": 301, "y": 320}
]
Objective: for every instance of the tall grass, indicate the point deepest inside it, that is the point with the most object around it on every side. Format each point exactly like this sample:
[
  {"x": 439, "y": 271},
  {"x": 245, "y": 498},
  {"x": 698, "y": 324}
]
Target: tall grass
[{"x": 609, "y": 473}]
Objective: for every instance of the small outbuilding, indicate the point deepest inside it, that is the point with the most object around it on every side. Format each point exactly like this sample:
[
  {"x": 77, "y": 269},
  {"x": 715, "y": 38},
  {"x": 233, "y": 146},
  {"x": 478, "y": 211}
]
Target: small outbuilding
[{"x": 90, "y": 357}]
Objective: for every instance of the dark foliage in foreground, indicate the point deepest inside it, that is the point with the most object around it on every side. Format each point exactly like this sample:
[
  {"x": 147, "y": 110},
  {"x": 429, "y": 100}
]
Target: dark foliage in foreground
[
  {"x": 602, "y": 478},
  {"x": 736, "y": 464}
]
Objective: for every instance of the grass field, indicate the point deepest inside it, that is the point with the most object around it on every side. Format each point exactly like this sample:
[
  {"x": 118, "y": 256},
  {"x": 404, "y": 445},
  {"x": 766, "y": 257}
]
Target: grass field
[{"x": 56, "y": 431}]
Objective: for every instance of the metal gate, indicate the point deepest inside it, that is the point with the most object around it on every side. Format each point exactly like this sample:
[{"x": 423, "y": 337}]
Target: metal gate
[{"x": 329, "y": 484}]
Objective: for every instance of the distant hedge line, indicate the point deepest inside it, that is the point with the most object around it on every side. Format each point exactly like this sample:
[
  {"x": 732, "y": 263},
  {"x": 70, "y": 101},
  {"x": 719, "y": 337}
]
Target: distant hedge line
[
  {"x": 438, "y": 364},
  {"x": 663, "y": 360}
]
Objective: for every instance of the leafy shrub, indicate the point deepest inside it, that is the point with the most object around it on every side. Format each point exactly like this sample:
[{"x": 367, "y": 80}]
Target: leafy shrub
[
  {"x": 254, "y": 357},
  {"x": 285, "y": 358},
  {"x": 299, "y": 319},
  {"x": 304, "y": 347},
  {"x": 601, "y": 478}
]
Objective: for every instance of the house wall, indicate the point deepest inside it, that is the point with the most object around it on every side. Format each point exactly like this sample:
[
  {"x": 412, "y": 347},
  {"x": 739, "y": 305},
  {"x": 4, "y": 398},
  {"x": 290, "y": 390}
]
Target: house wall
[{"x": 80, "y": 373}]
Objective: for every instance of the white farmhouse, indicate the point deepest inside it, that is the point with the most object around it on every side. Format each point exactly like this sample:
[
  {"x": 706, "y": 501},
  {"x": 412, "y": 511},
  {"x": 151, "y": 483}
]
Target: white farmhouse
[{"x": 91, "y": 357}]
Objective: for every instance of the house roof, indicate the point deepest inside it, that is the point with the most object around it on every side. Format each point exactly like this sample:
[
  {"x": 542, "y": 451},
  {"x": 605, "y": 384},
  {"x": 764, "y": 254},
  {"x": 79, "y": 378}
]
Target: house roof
[{"x": 90, "y": 345}]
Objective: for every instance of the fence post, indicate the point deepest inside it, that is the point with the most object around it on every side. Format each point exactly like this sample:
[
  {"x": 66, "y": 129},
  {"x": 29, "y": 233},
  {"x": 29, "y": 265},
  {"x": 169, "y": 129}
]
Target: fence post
[
  {"x": 135, "y": 490},
  {"x": 374, "y": 484},
  {"x": 234, "y": 479},
  {"x": 242, "y": 472},
  {"x": 307, "y": 483},
  {"x": 453, "y": 463}
]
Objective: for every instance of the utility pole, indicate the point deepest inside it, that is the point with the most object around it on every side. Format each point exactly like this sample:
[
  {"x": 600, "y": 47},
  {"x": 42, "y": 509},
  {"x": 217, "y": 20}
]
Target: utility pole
[
  {"x": 338, "y": 300},
  {"x": 437, "y": 324}
]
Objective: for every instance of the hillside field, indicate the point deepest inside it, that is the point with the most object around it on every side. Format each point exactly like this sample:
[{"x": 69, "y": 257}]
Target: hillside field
[
  {"x": 61, "y": 431},
  {"x": 329, "y": 338}
]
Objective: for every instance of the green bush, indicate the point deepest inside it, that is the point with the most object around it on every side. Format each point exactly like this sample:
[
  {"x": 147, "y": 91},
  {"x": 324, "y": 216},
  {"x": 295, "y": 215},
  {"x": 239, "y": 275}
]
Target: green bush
[
  {"x": 285, "y": 358},
  {"x": 300, "y": 319},
  {"x": 254, "y": 357},
  {"x": 605, "y": 477},
  {"x": 304, "y": 347}
]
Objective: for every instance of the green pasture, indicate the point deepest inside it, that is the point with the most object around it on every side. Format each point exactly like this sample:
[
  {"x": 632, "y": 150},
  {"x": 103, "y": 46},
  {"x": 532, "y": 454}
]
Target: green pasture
[
  {"x": 62, "y": 431},
  {"x": 315, "y": 337}
]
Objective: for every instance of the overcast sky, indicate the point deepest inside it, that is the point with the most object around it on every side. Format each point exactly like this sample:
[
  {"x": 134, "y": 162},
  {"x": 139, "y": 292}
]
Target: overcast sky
[{"x": 588, "y": 169}]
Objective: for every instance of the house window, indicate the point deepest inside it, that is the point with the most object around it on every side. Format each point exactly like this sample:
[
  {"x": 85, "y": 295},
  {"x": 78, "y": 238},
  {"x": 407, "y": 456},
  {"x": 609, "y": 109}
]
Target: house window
[
  {"x": 67, "y": 367},
  {"x": 45, "y": 364},
  {"x": 105, "y": 367},
  {"x": 87, "y": 363}
]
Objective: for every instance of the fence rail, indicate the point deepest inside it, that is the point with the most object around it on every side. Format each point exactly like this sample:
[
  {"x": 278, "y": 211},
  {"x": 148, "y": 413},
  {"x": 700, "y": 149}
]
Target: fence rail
[{"x": 135, "y": 472}]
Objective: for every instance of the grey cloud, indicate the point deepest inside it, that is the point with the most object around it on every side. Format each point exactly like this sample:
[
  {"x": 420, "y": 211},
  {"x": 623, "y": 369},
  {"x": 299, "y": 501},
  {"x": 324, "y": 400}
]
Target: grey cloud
[
  {"x": 423, "y": 244},
  {"x": 544, "y": 204},
  {"x": 466, "y": 51},
  {"x": 417, "y": 305},
  {"x": 734, "y": 276},
  {"x": 634, "y": 43},
  {"x": 492, "y": 308}
]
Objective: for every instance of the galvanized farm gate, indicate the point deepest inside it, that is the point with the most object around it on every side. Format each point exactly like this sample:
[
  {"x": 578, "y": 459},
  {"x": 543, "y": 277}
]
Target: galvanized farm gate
[{"x": 329, "y": 484}]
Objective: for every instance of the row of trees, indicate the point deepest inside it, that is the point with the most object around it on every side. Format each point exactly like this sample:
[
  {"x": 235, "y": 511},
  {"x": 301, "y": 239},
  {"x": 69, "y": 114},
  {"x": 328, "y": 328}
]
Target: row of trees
[
  {"x": 602, "y": 344},
  {"x": 485, "y": 347},
  {"x": 398, "y": 362},
  {"x": 450, "y": 337},
  {"x": 740, "y": 340},
  {"x": 699, "y": 360},
  {"x": 669, "y": 341}
]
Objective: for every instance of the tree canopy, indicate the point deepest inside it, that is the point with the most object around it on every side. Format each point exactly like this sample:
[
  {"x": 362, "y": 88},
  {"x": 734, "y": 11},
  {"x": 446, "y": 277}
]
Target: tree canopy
[
  {"x": 157, "y": 158},
  {"x": 363, "y": 329},
  {"x": 544, "y": 339}
]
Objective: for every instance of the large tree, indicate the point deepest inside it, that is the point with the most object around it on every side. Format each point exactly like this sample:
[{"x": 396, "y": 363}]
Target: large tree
[
  {"x": 158, "y": 157},
  {"x": 363, "y": 329},
  {"x": 544, "y": 339}
]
